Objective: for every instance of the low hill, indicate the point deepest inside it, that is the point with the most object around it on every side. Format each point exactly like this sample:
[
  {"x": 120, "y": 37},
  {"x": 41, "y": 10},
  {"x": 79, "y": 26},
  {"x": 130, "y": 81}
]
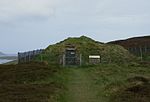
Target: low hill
[
  {"x": 2, "y": 54},
  {"x": 86, "y": 46},
  {"x": 132, "y": 42},
  {"x": 139, "y": 46}
]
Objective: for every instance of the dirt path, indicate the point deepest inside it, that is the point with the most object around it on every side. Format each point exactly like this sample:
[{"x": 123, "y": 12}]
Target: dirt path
[{"x": 81, "y": 87}]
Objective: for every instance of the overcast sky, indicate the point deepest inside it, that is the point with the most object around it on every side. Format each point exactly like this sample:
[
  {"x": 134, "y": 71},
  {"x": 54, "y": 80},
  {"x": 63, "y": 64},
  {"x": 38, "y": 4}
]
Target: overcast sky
[{"x": 32, "y": 24}]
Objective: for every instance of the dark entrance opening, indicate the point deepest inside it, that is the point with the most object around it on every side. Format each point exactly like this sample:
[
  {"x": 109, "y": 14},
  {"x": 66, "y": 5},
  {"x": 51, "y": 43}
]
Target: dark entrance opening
[{"x": 70, "y": 55}]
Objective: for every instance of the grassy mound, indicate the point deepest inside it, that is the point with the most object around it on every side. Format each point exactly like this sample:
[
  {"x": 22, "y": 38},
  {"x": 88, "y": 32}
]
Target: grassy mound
[{"x": 87, "y": 46}]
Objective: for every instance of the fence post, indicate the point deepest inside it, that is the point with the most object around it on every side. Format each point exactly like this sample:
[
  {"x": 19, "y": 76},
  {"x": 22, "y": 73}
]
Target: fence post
[
  {"x": 41, "y": 58},
  {"x": 141, "y": 53},
  {"x": 64, "y": 60},
  {"x": 80, "y": 59}
]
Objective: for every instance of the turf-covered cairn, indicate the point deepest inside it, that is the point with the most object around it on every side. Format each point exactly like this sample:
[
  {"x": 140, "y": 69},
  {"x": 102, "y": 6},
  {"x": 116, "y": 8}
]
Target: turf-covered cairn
[{"x": 86, "y": 46}]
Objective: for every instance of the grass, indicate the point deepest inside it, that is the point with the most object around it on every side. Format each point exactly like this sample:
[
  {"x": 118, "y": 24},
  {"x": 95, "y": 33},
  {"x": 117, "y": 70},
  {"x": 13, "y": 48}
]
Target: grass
[
  {"x": 27, "y": 92},
  {"x": 81, "y": 87},
  {"x": 32, "y": 82},
  {"x": 107, "y": 83},
  {"x": 39, "y": 82},
  {"x": 112, "y": 81}
]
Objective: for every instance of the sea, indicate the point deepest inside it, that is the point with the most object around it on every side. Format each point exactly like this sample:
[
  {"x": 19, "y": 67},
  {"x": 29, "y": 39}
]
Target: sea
[{"x": 2, "y": 61}]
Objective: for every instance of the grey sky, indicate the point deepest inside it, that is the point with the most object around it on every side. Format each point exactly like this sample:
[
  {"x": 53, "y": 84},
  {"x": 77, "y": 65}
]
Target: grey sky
[{"x": 31, "y": 24}]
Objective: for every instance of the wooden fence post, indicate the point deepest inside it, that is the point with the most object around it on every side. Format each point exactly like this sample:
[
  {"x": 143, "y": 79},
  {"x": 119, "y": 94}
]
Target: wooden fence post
[
  {"x": 64, "y": 60},
  {"x": 80, "y": 59}
]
